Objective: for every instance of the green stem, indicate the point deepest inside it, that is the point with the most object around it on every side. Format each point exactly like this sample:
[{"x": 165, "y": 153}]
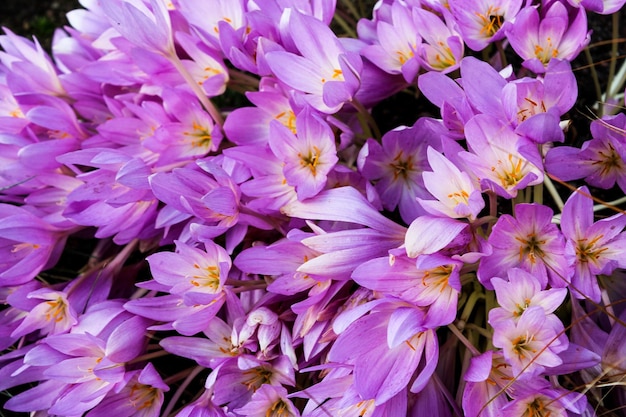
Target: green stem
[
  {"x": 367, "y": 116},
  {"x": 345, "y": 26},
  {"x": 599, "y": 207},
  {"x": 594, "y": 76},
  {"x": 463, "y": 339},
  {"x": 553, "y": 192},
  {"x": 614, "y": 52}
]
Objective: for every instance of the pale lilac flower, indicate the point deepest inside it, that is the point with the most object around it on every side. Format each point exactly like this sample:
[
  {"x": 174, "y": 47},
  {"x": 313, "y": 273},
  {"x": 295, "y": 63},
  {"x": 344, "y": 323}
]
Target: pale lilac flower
[
  {"x": 196, "y": 275},
  {"x": 528, "y": 241},
  {"x": 539, "y": 398},
  {"x": 53, "y": 315},
  {"x": 442, "y": 47},
  {"x": 499, "y": 158},
  {"x": 533, "y": 343},
  {"x": 539, "y": 39},
  {"x": 592, "y": 248},
  {"x": 344, "y": 250},
  {"x": 308, "y": 156},
  {"x": 29, "y": 69},
  {"x": 397, "y": 42},
  {"x": 521, "y": 292},
  {"x": 325, "y": 71},
  {"x": 269, "y": 400},
  {"x": 190, "y": 135},
  {"x": 251, "y": 125},
  {"x": 238, "y": 379},
  {"x": 431, "y": 281},
  {"x": 483, "y": 21},
  {"x": 148, "y": 28},
  {"x": 456, "y": 197},
  {"x": 385, "y": 348},
  {"x": 28, "y": 245}
]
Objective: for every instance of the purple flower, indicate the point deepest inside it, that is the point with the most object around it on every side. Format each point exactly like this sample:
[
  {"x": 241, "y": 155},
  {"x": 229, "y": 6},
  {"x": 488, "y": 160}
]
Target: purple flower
[
  {"x": 397, "y": 43},
  {"x": 141, "y": 396},
  {"x": 145, "y": 28},
  {"x": 598, "y": 6},
  {"x": 308, "y": 156},
  {"x": 528, "y": 241},
  {"x": 396, "y": 166},
  {"x": 488, "y": 377},
  {"x": 592, "y": 248},
  {"x": 483, "y": 21},
  {"x": 51, "y": 316},
  {"x": 325, "y": 71},
  {"x": 28, "y": 245},
  {"x": 539, "y": 39},
  {"x": 269, "y": 400},
  {"x": 600, "y": 161},
  {"x": 385, "y": 348}
]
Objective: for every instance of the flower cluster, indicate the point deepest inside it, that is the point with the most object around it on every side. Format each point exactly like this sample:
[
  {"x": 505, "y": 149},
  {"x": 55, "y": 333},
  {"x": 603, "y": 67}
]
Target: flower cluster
[{"x": 257, "y": 246}]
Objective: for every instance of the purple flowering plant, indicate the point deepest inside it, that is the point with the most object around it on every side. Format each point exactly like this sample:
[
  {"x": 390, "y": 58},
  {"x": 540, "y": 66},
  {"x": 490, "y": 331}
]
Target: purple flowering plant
[{"x": 321, "y": 208}]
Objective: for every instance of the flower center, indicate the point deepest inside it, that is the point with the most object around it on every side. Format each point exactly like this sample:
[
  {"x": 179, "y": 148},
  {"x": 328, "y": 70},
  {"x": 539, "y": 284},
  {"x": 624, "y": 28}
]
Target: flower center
[
  {"x": 490, "y": 21},
  {"x": 209, "y": 276},
  {"x": 257, "y": 377},
  {"x": 311, "y": 159},
  {"x": 530, "y": 248},
  {"x": 401, "y": 166},
  {"x": 586, "y": 250}
]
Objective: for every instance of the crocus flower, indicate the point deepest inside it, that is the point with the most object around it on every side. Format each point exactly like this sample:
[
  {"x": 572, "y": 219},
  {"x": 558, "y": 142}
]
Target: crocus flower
[
  {"x": 269, "y": 400},
  {"x": 600, "y": 161},
  {"x": 51, "y": 316},
  {"x": 532, "y": 343},
  {"x": 308, "y": 156},
  {"x": 539, "y": 39},
  {"x": 442, "y": 47},
  {"x": 385, "y": 347},
  {"x": 483, "y": 21},
  {"x": 325, "y": 71},
  {"x": 146, "y": 28},
  {"x": 520, "y": 292},
  {"x": 28, "y": 245},
  {"x": 499, "y": 158},
  {"x": 30, "y": 69},
  {"x": 142, "y": 396},
  {"x": 592, "y": 248},
  {"x": 192, "y": 272},
  {"x": 397, "y": 165},
  {"x": 528, "y": 241},
  {"x": 398, "y": 40},
  {"x": 457, "y": 197},
  {"x": 598, "y": 6},
  {"x": 487, "y": 379}
]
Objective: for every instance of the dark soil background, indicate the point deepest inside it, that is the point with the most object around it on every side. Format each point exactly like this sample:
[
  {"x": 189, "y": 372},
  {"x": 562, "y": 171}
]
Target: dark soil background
[{"x": 37, "y": 18}]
